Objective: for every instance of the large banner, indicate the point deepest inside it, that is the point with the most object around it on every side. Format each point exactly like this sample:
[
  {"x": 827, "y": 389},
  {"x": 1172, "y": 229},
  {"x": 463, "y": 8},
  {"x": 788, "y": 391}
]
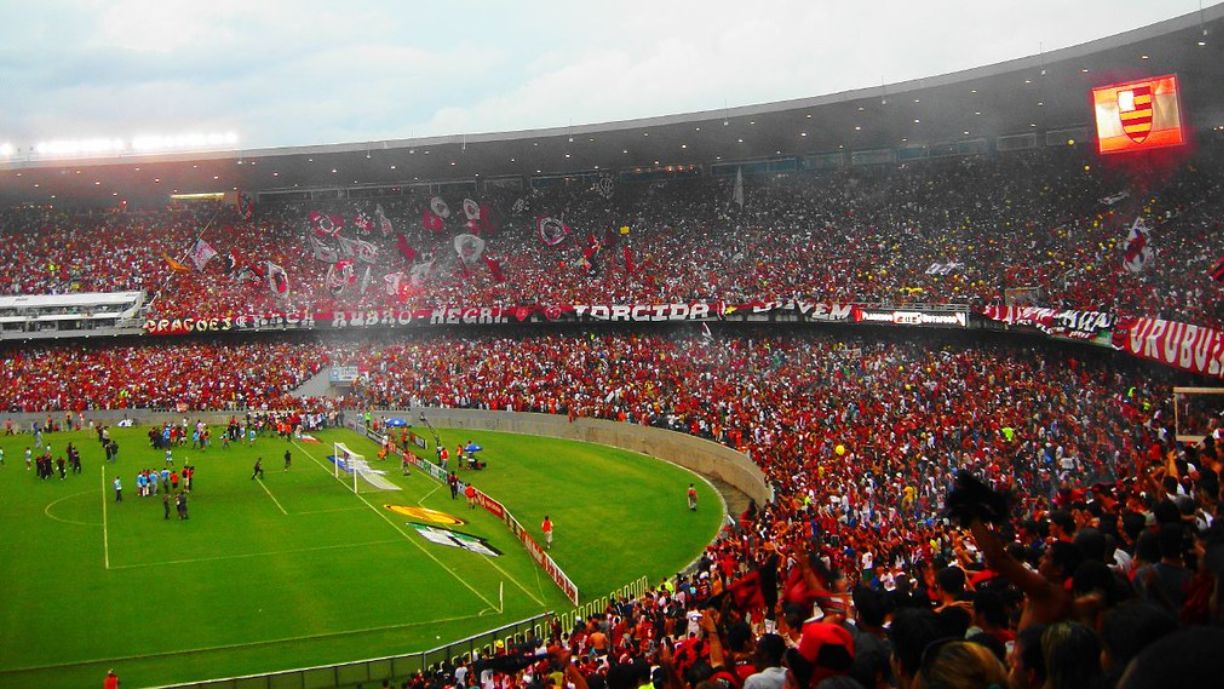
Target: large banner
[
  {"x": 1181, "y": 345},
  {"x": 792, "y": 310},
  {"x": 915, "y": 316},
  {"x": 1075, "y": 325}
]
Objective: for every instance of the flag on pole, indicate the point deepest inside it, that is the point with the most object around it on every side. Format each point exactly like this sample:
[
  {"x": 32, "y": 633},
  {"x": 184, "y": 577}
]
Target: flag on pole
[
  {"x": 201, "y": 254},
  {"x": 384, "y": 223},
  {"x": 278, "y": 280},
  {"x": 245, "y": 205},
  {"x": 432, "y": 221},
  {"x": 324, "y": 225},
  {"x": 405, "y": 249},
  {"x": 1138, "y": 248},
  {"x": 471, "y": 209},
  {"x": 175, "y": 265},
  {"x": 393, "y": 281},
  {"x": 1217, "y": 272},
  {"x": 322, "y": 252},
  {"x": 495, "y": 269},
  {"x": 737, "y": 196}
]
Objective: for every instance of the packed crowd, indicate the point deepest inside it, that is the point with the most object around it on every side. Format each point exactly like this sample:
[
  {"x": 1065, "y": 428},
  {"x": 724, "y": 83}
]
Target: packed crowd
[
  {"x": 1104, "y": 571},
  {"x": 251, "y": 375},
  {"x": 852, "y": 576},
  {"x": 1053, "y": 223}
]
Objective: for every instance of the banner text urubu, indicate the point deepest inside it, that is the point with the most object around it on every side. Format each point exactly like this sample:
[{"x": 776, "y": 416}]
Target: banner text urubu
[
  {"x": 1138, "y": 115},
  {"x": 1192, "y": 348}
]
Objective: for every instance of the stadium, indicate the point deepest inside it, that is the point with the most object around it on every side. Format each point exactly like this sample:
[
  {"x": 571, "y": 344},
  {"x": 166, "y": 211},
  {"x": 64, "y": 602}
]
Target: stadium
[{"x": 912, "y": 385}]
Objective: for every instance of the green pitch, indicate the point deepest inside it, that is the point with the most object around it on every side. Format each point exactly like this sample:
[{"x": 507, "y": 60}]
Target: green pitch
[{"x": 296, "y": 570}]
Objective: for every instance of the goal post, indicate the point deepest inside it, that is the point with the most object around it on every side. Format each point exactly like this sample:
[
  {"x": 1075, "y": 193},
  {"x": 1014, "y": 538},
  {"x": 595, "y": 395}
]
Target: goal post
[
  {"x": 343, "y": 460},
  {"x": 352, "y": 470}
]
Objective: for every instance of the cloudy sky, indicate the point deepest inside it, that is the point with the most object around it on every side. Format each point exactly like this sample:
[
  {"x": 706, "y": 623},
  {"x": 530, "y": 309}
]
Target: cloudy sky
[{"x": 304, "y": 72}]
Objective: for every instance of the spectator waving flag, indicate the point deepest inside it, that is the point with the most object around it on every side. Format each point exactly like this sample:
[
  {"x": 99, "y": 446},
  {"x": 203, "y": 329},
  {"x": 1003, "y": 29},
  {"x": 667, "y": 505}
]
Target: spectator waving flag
[
  {"x": 202, "y": 253},
  {"x": 324, "y": 225},
  {"x": 278, "y": 281},
  {"x": 366, "y": 252},
  {"x": 432, "y": 221},
  {"x": 384, "y": 223},
  {"x": 552, "y": 231},
  {"x": 245, "y": 206},
  {"x": 363, "y": 222},
  {"x": 495, "y": 269},
  {"x": 359, "y": 249},
  {"x": 471, "y": 209},
  {"x": 340, "y": 275},
  {"x": 1217, "y": 272},
  {"x": 405, "y": 249},
  {"x": 1138, "y": 248},
  {"x": 231, "y": 263},
  {"x": 322, "y": 252},
  {"x": 420, "y": 273},
  {"x": 176, "y": 266},
  {"x": 348, "y": 247},
  {"x": 393, "y": 281},
  {"x": 469, "y": 247}
]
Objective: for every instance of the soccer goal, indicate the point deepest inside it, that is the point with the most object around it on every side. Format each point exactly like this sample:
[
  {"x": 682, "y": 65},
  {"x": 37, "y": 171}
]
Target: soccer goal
[{"x": 351, "y": 469}]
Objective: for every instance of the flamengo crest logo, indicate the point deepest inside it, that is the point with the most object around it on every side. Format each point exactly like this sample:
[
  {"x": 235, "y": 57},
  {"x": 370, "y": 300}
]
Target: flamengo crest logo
[{"x": 1135, "y": 109}]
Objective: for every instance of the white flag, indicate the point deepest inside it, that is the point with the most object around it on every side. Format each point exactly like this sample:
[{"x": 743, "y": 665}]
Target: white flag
[
  {"x": 393, "y": 282},
  {"x": 278, "y": 280},
  {"x": 322, "y": 252},
  {"x": 201, "y": 254}
]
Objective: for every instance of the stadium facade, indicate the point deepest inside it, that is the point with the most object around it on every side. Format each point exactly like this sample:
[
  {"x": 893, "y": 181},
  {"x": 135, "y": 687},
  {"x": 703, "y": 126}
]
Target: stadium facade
[{"x": 1036, "y": 101}]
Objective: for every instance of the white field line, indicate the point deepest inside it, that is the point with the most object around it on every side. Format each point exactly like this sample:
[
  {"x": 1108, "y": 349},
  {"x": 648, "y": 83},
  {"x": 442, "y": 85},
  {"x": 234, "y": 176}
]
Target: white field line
[
  {"x": 53, "y": 503},
  {"x": 278, "y": 505},
  {"x": 421, "y": 502},
  {"x": 105, "y": 533},
  {"x": 407, "y": 536}
]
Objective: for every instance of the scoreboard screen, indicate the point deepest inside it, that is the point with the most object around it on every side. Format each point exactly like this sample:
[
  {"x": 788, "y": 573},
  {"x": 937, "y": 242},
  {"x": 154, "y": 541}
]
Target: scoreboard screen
[{"x": 1138, "y": 115}]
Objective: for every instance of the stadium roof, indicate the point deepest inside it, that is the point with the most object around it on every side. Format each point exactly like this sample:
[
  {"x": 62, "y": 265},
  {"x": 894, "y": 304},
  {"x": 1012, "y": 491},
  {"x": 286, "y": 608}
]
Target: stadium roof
[{"x": 1047, "y": 94}]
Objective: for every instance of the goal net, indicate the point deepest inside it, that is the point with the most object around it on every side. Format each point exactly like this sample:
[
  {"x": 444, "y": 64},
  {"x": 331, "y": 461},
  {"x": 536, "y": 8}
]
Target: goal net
[{"x": 351, "y": 469}]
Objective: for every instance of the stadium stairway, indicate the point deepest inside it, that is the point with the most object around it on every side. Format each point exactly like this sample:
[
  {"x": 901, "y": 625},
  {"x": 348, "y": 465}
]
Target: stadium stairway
[{"x": 318, "y": 385}]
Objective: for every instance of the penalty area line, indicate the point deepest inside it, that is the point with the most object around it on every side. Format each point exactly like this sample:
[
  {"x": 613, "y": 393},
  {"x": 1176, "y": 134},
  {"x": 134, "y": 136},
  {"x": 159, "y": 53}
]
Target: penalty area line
[
  {"x": 408, "y": 537},
  {"x": 278, "y": 505}
]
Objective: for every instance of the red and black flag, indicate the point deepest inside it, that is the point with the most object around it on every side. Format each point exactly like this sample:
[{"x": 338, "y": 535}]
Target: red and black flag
[{"x": 1217, "y": 272}]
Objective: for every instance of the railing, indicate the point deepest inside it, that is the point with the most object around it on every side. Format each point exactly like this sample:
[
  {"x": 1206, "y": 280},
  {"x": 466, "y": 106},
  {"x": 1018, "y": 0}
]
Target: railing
[{"x": 371, "y": 672}]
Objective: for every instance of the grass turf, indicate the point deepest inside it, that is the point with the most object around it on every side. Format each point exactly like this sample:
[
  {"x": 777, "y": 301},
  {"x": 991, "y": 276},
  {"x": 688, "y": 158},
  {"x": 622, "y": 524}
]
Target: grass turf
[{"x": 299, "y": 571}]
